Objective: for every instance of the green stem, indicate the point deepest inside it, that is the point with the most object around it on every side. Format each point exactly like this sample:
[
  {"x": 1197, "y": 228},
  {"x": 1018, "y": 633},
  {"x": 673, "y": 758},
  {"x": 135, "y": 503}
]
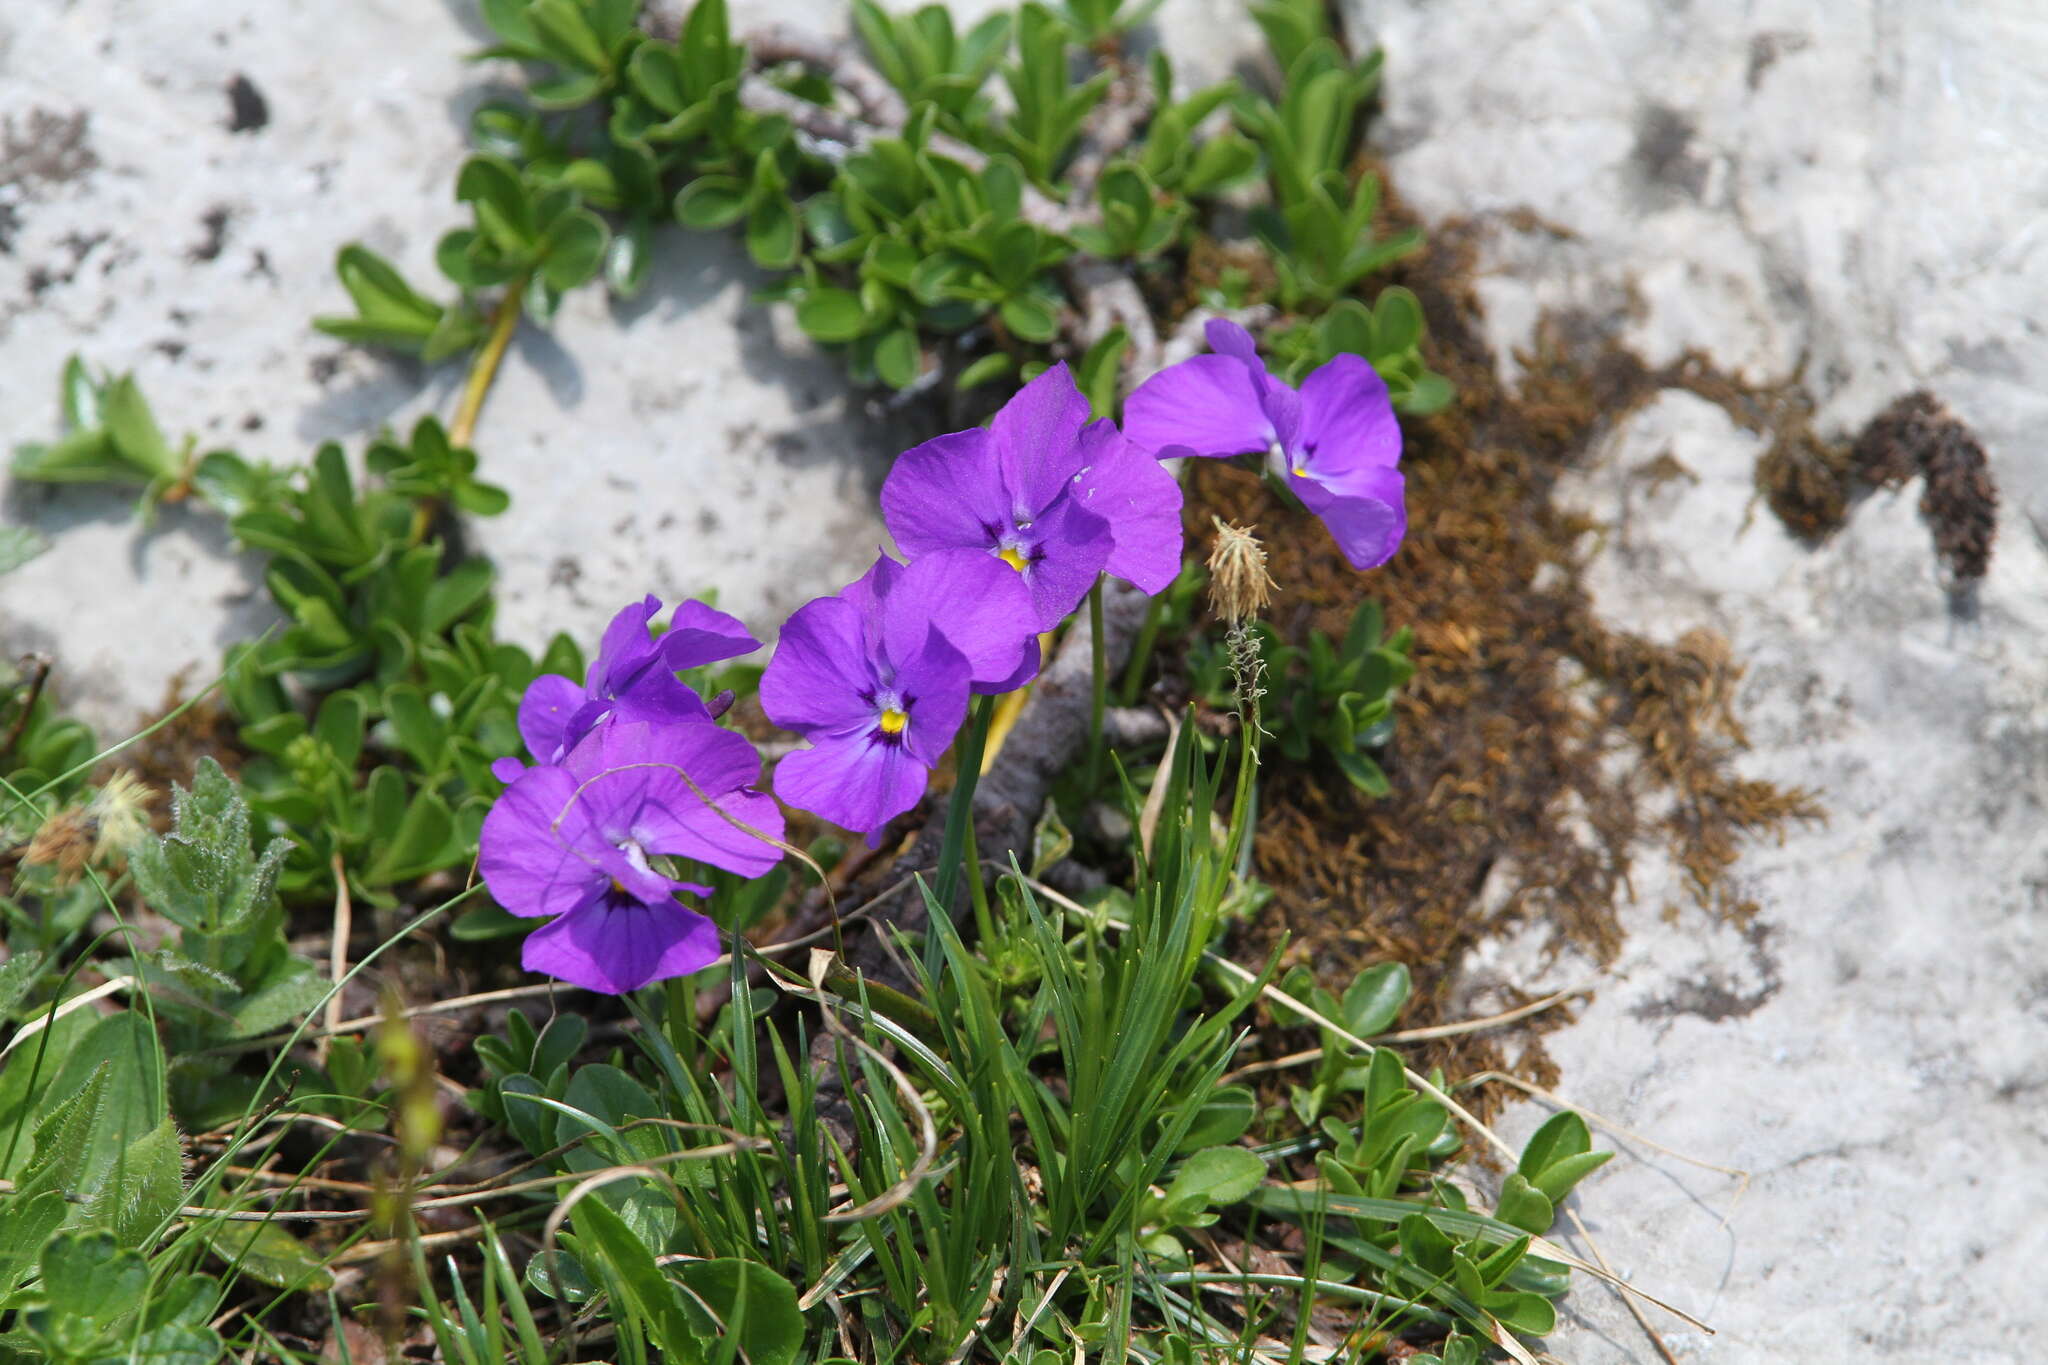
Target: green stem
[
  {"x": 1244, "y": 809},
  {"x": 483, "y": 370},
  {"x": 1098, "y": 676},
  {"x": 967, "y": 751},
  {"x": 503, "y": 323},
  {"x": 1141, "y": 653}
]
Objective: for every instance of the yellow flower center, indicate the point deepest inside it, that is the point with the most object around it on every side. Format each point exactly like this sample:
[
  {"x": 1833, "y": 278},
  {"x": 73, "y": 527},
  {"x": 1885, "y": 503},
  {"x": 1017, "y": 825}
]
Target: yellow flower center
[
  {"x": 1300, "y": 473},
  {"x": 894, "y": 721},
  {"x": 1010, "y": 556},
  {"x": 618, "y": 887}
]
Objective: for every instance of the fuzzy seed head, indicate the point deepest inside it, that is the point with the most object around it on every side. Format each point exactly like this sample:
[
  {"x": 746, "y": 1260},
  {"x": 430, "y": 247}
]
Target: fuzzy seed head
[
  {"x": 1239, "y": 586},
  {"x": 122, "y": 811}
]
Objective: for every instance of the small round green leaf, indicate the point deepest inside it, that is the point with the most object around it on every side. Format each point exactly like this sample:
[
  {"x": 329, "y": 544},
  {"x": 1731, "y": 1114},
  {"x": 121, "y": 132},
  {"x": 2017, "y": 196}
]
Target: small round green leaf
[
  {"x": 898, "y": 361},
  {"x": 773, "y": 234},
  {"x": 709, "y": 202},
  {"x": 831, "y": 315},
  {"x": 1029, "y": 318}
]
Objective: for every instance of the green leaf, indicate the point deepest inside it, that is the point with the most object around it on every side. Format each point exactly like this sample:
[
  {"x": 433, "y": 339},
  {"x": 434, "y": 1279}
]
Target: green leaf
[
  {"x": 831, "y": 315},
  {"x": 126, "y": 1046},
  {"x": 481, "y": 499},
  {"x": 456, "y": 594},
  {"x": 566, "y": 34},
  {"x": 1030, "y": 318},
  {"x": 566, "y": 90},
  {"x": 134, "y": 431},
  {"x": 284, "y": 1000},
  {"x": 1430, "y": 393},
  {"x": 1219, "y": 164},
  {"x": 1396, "y": 322},
  {"x": 232, "y": 484},
  {"x": 744, "y": 1304},
  {"x": 1223, "y": 1116},
  {"x": 626, "y": 260},
  {"x": 504, "y": 210},
  {"x": 898, "y": 360},
  {"x": 1374, "y": 999},
  {"x": 1557, "y": 1179},
  {"x": 88, "y": 1284},
  {"x": 56, "y": 1158},
  {"x": 1096, "y": 375},
  {"x": 80, "y": 395},
  {"x": 989, "y": 367},
  {"x": 707, "y": 50},
  {"x": 1426, "y": 1245},
  {"x": 710, "y": 202},
  {"x": 650, "y": 1295},
  {"x": 1525, "y": 1206},
  {"x": 385, "y": 302},
  {"x": 421, "y": 843},
  {"x": 148, "y": 1186},
  {"x": 82, "y": 457},
  {"x": 1560, "y": 1137},
  {"x": 656, "y": 72},
  {"x": 1363, "y": 773},
  {"x": 507, "y": 19},
  {"x": 576, "y": 248},
  {"x": 1215, "y": 1176},
  {"x": 773, "y": 231},
  {"x": 271, "y": 1254},
  {"x": 421, "y": 733},
  {"x": 27, "y": 1221}
]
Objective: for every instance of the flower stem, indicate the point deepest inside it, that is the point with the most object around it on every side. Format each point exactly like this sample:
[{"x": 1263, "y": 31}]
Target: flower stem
[
  {"x": 960, "y": 815},
  {"x": 484, "y": 369},
  {"x": 1098, "y": 673},
  {"x": 1141, "y": 652},
  {"x": 1244, "y": 809}
]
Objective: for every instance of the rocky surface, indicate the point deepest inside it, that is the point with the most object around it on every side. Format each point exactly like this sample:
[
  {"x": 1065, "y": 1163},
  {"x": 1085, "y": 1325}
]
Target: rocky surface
[{"x": 1835, "y": 193}]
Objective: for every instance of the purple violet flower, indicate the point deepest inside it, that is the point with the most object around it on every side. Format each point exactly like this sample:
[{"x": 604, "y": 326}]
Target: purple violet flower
[
  {"x": 877, "y": 678},
  {"x": 1042, "y": 489},
  {"x": 1335, "y": 442},
  {"x": 633, "y": 678},
  {"x": 573, "y": 839}
]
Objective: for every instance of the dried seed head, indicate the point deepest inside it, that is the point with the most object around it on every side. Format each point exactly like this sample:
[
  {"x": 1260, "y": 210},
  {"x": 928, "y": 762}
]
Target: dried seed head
[
  {"x": 1239, "y": 586},
  {"x": 64, "y": 842}
]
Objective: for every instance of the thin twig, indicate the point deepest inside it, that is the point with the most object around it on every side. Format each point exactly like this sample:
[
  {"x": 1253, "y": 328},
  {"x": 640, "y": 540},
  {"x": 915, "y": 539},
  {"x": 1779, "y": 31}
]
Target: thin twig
[
  {"x": 1600, "y": 1120},
  {"x": 1414, "y": 1035},
  {"x": 370, "y": 1251},
  {"x": 38, "y": 666},
  {"x": 337, "y": 958},
  {"x": 1634, "y": 1312}
]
